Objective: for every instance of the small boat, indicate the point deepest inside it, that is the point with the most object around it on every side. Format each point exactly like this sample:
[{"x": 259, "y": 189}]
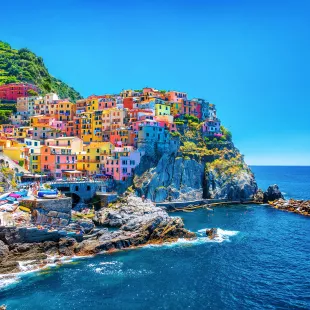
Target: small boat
[
  {"x": 42, "y": 193},
  {"x": 53, "y": 196},
  {"x": 25, "y": 209}
]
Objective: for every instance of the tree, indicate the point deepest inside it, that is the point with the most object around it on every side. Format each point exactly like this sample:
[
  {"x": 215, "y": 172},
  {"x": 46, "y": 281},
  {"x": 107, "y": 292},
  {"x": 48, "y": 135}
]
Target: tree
[{"x": 32, "y": 92}]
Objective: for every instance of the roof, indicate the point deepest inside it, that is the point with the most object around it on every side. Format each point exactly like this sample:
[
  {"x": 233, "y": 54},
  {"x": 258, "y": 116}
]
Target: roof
[{"x": 65, "y": 138}]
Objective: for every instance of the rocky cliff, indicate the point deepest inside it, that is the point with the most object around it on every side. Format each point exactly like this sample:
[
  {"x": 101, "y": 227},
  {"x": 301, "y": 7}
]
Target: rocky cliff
[{"x": 195, "y": 168}]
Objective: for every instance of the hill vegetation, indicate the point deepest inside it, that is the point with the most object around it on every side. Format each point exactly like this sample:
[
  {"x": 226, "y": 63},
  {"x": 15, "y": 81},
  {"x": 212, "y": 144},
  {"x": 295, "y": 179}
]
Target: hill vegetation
[{"x": 24, "y": 66}]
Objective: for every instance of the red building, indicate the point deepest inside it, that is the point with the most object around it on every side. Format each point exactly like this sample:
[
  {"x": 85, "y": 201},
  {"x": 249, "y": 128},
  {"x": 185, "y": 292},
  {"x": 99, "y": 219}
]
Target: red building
[
  {"x": 128, "y": 103},
  {"x": 15, "y": 90}
]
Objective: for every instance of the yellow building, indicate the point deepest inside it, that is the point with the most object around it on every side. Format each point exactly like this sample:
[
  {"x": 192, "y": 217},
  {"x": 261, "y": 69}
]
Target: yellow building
[
  {"x": 96, "y": 120},
  {"x": 162, "y": 109},
  {"x": 86, "y": 127},
  {"x": 13, "y": 153},
  {"x": 65, "y": 110},
  {"x": 92, "y": 104},
  {"x": 22, "y": 132},
  {"x": 90, "y": 161},
  {"x": 35, "y": 162}
]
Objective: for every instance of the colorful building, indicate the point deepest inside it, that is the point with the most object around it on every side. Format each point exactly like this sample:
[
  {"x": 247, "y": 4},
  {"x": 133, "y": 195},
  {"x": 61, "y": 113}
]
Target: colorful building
[{"x": 11, "y": 92}]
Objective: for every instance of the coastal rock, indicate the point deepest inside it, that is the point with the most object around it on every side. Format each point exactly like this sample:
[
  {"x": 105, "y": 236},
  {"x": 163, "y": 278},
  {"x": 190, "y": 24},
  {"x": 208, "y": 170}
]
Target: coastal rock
[
  {"x": 180, "y": 178},
  {"x": 211, "y": 233},
  {"x": 259, "y": 196},
  {"x": 4, "y": 250},
  {"x": 273, "y": 193},
  {"x": 140, "y": 222},
  {"x": 297, "y": 206},
  {"x": 67, "y": 246}
]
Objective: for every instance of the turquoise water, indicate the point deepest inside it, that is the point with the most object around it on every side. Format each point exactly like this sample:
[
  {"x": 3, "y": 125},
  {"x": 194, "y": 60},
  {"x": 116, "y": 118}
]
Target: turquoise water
[{"x": 260, "y": 261}]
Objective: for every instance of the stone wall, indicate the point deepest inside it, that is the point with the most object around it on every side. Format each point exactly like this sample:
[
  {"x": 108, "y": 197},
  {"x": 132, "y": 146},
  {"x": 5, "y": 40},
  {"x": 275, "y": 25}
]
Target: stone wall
[
  {"x": 11, "y": 235},
  {"x": 54, "y": 212}
]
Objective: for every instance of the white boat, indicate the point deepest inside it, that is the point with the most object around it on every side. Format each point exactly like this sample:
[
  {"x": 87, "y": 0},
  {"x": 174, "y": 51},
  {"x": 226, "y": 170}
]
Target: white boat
[{"x": 53, "y": 196}]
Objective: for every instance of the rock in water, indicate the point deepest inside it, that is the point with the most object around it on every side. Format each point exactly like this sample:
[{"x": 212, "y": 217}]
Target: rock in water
[
  {"x": 211, "y": 233},
  {"x": 273, "y": 193},
  {"x": 259, "y": 196}
]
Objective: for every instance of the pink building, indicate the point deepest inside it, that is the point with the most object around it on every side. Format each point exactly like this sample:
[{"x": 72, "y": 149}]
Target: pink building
[
  {"x": 176, "y": 96},
  {"x": 14, "y": 90},
  {"x": 211, "y": 127},
  {"x": 106, "y": 103},
  {"x": 122, "y": 163}
]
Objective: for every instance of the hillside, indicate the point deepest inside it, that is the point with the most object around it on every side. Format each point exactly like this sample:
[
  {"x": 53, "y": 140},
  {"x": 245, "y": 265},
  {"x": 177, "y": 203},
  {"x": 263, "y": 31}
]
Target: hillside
[{"x": 24, "y": 66}]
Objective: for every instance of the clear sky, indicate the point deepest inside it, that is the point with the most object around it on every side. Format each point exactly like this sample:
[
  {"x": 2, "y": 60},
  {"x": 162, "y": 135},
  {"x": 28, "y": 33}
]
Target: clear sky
[{"x": 250, "y": 58}]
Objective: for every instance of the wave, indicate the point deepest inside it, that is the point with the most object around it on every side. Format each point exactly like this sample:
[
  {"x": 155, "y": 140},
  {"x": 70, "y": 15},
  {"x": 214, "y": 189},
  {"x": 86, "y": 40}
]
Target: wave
[
  {"x": 221, "y": 236},
  {"x": 8, "y": 280}
]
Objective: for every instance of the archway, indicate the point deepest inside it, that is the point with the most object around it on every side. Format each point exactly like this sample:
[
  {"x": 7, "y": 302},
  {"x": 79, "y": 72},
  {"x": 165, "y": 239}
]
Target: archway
[{"x": 76, "y": 199}]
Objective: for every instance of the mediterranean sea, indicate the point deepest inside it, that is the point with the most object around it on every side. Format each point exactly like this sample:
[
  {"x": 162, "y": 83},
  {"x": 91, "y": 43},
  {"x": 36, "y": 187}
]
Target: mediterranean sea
[{"x": 259, "y": 261}]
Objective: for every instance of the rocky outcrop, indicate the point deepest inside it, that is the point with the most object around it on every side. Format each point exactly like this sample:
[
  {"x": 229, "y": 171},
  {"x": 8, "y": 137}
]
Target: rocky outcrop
[
  {"x": 272, "y": 193},
  {"x": 173, "y": 178},
  {"x": 297, "y": 206},
  {"x": 259, "y": 196},
  {"x": 181, "y": 178},
  {"x": 240, "y": 186},
  {"x": 139, "y": 223}
]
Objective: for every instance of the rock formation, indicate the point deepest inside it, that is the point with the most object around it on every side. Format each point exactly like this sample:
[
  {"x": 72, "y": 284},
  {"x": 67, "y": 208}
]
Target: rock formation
[
  {"x": 139, "y": 223},
  {"x": 193, "y": 170},
  {"x": 297, "y": 206},
  {"x": 273, "y": 193}
]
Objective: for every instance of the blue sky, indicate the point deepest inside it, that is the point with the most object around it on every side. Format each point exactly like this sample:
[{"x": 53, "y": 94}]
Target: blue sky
[{"x": 250, "y": 58}]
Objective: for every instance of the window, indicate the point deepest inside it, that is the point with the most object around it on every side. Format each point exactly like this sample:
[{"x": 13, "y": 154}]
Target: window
[{"x": 88, "y": 188}]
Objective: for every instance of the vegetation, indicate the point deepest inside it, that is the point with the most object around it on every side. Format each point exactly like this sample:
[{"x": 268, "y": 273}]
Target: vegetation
[
  {"x": 8, "y": 107},
  {"x": 229, "y": 167},
  {"x": 175, "y": 134},
  {"x": 5, "y": 116},
  {"x": 191, "y": 118},
  {"x": 227, "y": 136},
  {"x": 179, "y": 122},
  {"x": 24, "y": 66}
]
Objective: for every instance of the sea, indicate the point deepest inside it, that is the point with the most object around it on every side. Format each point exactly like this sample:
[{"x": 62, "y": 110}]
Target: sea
[{"x": 260, "y": 260}]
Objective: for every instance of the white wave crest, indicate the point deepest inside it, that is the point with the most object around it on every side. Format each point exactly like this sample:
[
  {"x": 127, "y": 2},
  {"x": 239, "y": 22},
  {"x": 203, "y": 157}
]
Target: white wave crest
[{"x": 8, "y": 280}]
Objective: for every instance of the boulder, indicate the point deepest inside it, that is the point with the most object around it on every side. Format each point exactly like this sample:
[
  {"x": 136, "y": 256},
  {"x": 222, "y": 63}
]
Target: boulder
[
  {"x": 259, "y": 196},
  {"x": 67, "y": 246},
  {"x": 211, "y": 233},
  {"x": 273, "y": 193}
]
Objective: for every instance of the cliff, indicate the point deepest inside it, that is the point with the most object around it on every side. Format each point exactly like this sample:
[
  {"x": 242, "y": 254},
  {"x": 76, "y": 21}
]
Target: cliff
[
  {"x": 24, "y": 66},
  {"x": 194, "y": 168}
]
